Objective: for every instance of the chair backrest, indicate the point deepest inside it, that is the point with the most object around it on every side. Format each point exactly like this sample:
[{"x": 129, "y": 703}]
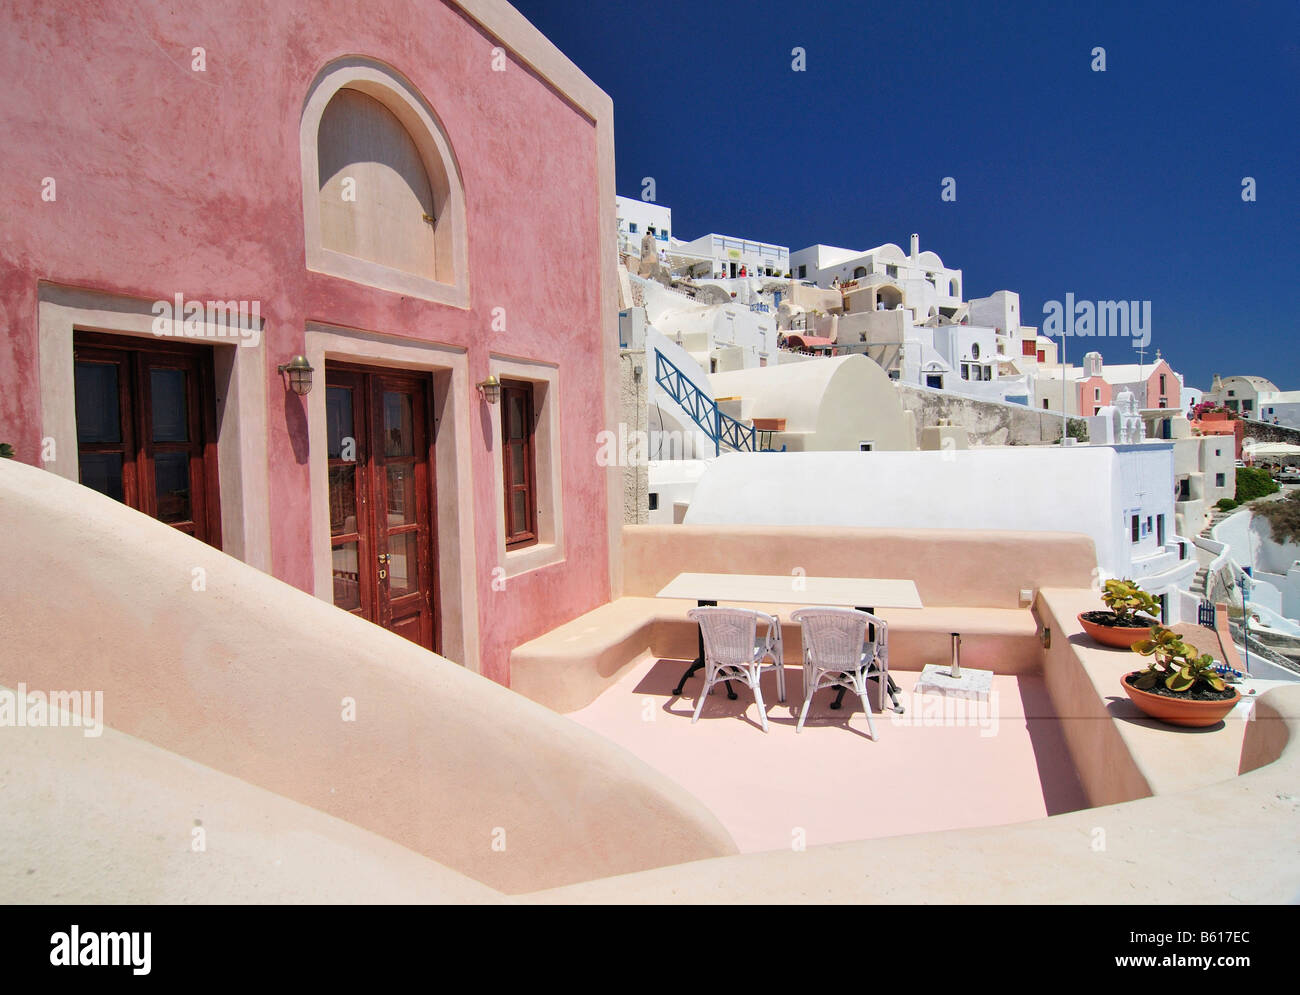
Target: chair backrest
[
  {"x": 836, "y": 637},
  {"x": 729, "y": 633}
]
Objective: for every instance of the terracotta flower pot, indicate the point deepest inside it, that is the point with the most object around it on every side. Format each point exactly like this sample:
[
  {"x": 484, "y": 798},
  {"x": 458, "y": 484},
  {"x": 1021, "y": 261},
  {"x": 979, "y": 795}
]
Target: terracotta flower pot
[
  {"x": 1180, "y": 711},
  {"x": 1113, "y": 635}
]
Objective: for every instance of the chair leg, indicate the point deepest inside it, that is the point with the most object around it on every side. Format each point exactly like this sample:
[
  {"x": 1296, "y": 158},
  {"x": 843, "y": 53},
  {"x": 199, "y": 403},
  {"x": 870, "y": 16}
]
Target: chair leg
[
  {"x": 755, "y": 683},
  {"x": 866, "y": 708},
  {"x": 709, "y": 681},
  {"x": 803, "y": 713},
  {"x": 780, "y": 680}
]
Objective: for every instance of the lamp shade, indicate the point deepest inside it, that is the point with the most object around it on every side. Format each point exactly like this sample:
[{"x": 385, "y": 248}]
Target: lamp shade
[{"x": 300, "y": 372}]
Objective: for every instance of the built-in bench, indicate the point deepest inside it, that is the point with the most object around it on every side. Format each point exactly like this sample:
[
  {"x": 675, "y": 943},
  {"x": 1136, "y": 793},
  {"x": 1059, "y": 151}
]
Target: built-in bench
[{"x": 969, "y": 583}]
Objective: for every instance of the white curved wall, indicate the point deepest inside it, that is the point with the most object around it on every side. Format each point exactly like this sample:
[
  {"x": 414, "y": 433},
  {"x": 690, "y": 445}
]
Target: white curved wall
[{"x": 250, "y": 676}]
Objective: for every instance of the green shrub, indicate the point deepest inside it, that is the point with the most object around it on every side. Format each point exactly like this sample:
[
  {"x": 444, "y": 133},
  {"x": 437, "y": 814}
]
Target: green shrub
[
  {"x": 6, "y": 451},
  {"x": 1225, "y": 504},
  {"x": 1282, "y": 516},
  {"x": 1253, "y": 482},
  {"x": 1077, "y": 429}
]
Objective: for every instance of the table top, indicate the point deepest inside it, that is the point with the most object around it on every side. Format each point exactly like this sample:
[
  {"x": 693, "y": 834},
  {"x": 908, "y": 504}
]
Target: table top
[{"x": 788, "y": 589}]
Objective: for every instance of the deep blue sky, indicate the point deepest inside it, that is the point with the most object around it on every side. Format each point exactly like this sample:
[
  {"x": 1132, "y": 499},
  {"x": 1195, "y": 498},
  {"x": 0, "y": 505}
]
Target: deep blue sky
[{"x": 1123, "y": 184}]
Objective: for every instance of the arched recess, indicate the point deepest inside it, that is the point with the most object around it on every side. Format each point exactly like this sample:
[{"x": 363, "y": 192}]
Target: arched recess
[{"x": 399, "y": 224}]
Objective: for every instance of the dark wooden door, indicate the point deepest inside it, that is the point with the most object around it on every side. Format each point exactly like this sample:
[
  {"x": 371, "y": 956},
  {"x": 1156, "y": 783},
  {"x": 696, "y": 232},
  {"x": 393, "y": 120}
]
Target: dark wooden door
[
  {"x": 146, "y": 428},
  {"x": 381, "y": 481}
]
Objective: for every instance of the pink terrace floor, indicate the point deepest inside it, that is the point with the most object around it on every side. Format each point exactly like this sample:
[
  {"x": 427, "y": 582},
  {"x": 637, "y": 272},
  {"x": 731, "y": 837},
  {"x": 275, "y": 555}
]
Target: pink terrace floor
[{"x": 977, "y": 765}]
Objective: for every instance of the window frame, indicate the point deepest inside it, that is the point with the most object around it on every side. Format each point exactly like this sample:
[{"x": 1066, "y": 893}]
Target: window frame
[
  {"x": 135, "y": 359},
  {"x": 451, "y": 285},
  {"x": 519, "y": 537}
]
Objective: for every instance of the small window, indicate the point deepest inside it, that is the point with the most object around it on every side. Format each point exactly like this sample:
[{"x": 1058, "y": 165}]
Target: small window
[
  {"x": 519, "y": 472},
  {"x": 1096, "y": 393},
  {"x": 631, "y": 226},
  {"x": 1219, "y": 480},
  {"x": 974, "y": 350},
  {"x": 866, "y": 447},
  {"x": 1044, "y": 404},
  {"x": 1135, "y": 526},
  {"x": 654, "y": 500},
  {"x": 803, "y": 272},
  {"x": 934, "y": 380}
]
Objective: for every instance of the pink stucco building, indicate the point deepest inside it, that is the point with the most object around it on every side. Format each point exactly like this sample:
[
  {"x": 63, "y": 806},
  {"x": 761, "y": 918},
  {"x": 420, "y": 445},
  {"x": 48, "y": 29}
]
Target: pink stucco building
[
  {"x": 199, "y": 194},
  {"x": 1155, "y": 385}
]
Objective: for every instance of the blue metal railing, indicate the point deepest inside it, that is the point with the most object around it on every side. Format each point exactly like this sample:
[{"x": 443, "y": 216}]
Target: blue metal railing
[{"x": 719, "y": 427}]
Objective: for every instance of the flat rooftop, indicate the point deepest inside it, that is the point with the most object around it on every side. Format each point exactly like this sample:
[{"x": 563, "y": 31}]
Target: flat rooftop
[{"x": 944, "y": 764}]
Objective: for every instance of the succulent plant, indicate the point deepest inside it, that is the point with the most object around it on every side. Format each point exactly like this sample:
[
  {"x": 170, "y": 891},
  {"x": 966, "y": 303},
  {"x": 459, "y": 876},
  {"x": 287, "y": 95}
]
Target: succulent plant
[
  {"x": 1126, "y": 599},
  {"x": 1175, "y": 664}
]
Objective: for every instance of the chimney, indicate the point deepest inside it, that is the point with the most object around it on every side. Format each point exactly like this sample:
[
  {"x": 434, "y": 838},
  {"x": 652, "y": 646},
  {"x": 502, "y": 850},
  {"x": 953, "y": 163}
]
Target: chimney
[{"x": 916, "y": 245}]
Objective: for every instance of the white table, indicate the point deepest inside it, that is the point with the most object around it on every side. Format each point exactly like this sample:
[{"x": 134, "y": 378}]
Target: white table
[
  {"x": 865, "y": 594},
  {"x": 791, "y": 589}
]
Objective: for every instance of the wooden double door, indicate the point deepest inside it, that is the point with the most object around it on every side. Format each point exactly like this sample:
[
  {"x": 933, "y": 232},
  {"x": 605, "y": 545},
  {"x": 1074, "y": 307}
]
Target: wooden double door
[{"x": 382, "y": 498}]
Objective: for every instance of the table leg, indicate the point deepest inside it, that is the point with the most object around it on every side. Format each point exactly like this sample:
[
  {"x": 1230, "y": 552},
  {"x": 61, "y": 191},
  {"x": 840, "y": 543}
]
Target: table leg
[
  {"x": 699, "y": 660},
  {"x": 871, "y": 635}
]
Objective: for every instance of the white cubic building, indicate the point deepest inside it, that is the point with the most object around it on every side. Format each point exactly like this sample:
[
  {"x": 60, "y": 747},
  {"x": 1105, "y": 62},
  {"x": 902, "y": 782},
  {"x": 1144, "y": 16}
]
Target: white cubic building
[
  {"x": 732, "y": 255},
  {"x": 931, "y": 288},
  {"x": 636, "y": 218}
]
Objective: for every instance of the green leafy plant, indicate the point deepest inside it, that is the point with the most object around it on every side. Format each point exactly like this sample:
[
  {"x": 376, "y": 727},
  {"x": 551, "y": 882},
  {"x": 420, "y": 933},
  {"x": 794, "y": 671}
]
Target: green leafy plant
[
  {"x": 1126, "y": 600},
  {"x": 1254, "y": 482},
  {"x": 1077, "y": 428},
  {"x": 6, "y": 451},
  {"x": 1225, "y": 504},
  {"x": 1175, "y": 664}
]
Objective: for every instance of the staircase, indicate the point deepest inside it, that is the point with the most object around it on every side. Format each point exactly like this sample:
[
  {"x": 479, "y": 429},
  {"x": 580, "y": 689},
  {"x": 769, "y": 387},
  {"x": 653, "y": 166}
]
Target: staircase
[
  {"x": 1200, "y": 581},
  {"x": 721, "y": 428}
]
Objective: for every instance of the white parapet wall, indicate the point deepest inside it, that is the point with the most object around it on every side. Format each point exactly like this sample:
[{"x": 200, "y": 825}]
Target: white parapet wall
[{"x": 1094, "y": 490}]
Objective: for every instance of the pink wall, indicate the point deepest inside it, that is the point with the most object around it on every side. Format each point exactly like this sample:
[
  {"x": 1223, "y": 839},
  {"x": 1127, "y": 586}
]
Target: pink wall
[
  {"x": 174, "y": 181},
  {"x": 1088, "y": 395},
  {"x": 1173, "y": 396}
]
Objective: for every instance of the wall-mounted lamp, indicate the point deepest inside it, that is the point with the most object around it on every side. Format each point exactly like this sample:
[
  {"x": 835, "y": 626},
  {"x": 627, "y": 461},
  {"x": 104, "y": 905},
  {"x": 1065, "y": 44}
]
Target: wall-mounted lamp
[
  {"x": 490, "y": 389},
  {"x": 300, "y": 372}
]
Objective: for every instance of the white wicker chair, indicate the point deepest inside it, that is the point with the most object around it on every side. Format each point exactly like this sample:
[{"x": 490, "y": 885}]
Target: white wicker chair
[
  {"x": 733, "y": 650},
  {"x": 837, "y": 653}
]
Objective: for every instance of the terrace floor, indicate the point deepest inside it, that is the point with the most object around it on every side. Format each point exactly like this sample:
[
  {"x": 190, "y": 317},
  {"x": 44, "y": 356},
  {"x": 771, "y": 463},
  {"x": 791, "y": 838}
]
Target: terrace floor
[{"x": 975, "y": 764}]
